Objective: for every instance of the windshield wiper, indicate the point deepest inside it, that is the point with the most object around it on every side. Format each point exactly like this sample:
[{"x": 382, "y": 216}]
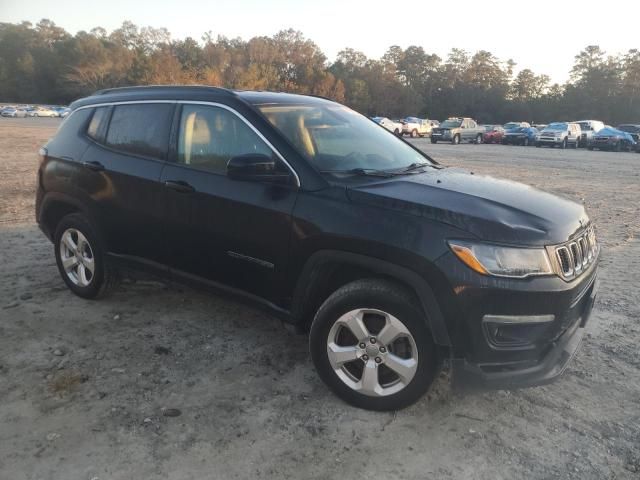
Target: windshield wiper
[
  {"x": 372, "y": 172},
  {"x": 416, "y": 166}
]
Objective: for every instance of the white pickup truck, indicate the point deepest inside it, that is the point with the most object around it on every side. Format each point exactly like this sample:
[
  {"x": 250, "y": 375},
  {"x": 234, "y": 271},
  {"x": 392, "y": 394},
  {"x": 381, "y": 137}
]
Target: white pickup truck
[{"x": 416, "y": 127}]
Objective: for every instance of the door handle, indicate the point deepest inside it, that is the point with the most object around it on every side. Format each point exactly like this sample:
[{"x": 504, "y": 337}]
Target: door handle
[
  {"x": 95, "y": 166},
  {"x": 179, "y": 186}
]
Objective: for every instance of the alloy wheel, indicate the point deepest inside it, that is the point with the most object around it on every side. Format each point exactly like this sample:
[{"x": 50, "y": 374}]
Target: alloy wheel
[
  {"x": 77, "y": 257},
  {"x": 372, "y": 352}
]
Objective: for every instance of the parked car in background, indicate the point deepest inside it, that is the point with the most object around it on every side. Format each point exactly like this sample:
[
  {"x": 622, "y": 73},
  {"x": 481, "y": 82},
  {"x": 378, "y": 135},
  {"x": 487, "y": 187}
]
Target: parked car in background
[
  {"x": 13, "y": 112},
  {"x": 632, "y": 129},
  {"x": 61, "y": 111},
  {"x": 456, "y": 130},
  {"x": 512, "y": 125},
  {"x": 493, "y": 134},
  {"x": 520, "y": 136},
  {"x": 416, "y": 127},
  {"x": 561, "y": 134},
  {"x": 389, "y": 124},
  {"x": 588, "y": 128},
  {"x": 612, "y": 139},
  {"x": 43, "y": 112},
  {"x": 539, "y": 126}
]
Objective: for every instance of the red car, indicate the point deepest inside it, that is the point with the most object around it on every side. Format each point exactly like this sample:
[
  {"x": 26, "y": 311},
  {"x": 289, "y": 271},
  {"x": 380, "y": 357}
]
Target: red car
[{"x": 493, "y": 134}]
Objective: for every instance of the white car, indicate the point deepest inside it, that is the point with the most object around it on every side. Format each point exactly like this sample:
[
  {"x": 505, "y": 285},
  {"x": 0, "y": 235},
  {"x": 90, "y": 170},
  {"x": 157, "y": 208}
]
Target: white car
[
  {"x": 43, "y": 112},
  {"x": 390, "y": 125},
  {"x": 415, "y": 127}
]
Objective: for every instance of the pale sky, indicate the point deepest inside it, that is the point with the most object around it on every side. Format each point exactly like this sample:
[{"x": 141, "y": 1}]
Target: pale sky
[{"x": 541, "y": 35}]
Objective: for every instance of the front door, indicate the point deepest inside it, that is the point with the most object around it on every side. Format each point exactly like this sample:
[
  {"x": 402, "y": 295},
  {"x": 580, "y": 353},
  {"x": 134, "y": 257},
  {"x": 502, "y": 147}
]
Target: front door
[{"x": 229, "y": 231}]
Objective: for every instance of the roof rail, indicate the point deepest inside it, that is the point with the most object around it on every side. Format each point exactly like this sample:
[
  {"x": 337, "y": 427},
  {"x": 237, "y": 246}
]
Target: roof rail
[{"x": 142, "y": 88}]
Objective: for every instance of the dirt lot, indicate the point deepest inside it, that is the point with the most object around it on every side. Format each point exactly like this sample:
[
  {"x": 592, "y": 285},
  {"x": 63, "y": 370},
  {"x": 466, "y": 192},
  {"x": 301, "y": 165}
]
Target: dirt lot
[{"x": 87, "y": 388}]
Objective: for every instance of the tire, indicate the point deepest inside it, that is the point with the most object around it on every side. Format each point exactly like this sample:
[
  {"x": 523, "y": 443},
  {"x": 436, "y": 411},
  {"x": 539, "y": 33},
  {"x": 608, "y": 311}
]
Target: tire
[
  {"x": 397, "y": 132},
  {"x": 538, "y": 145},
  {"x": 564, "y": 144},
  {"x": 456, "y": 139},
  {"x": 525, "y": 142},
  {"x": 590, "y": 149},
  {"x": 433, "y": 140},
  {"x": 385, "y": 303},
  {"x": 414, "y": 133},
  {"x": 617, "y": 147},
  {"x": 93, "y": 283},
  {"x": 478, "y": 139}
]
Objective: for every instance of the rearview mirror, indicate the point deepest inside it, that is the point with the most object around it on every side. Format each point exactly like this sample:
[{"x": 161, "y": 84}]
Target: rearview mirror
[{"x": 256, "y": 167}]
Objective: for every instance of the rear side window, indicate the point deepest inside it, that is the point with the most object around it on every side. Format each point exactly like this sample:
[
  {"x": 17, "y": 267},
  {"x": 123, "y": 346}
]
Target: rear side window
[
  {"x": 141, "y": 129},
  {"x": 96, "y": 126}
]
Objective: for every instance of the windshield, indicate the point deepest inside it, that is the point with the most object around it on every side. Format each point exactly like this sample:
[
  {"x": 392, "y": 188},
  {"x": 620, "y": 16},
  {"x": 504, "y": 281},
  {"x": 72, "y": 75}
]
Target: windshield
[
  {"x": 451, "y": 124},
  {"x": 629, "y": 128},
  {"x": 584, "y": 126},
  {"x": 510, "y": 125},
  {"x": 556, "y": 126},
  {"x": 335, "y": 138},
  {"x": 412, "y": 120}
]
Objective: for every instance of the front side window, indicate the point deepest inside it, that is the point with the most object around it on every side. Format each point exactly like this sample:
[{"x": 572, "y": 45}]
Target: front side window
[
  {"x": 210, "y": 136},
  {"x": 334, "y": 138},
  {"x": 141, "y": 129}
]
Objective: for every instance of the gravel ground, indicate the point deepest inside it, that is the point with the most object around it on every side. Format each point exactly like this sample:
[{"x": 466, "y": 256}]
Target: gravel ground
[{"x": 161, "y": 381}]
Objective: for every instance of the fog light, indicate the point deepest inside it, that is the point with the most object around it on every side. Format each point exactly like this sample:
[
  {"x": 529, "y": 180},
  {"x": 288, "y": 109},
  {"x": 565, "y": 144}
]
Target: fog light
[{"x": 508, "y": 331}]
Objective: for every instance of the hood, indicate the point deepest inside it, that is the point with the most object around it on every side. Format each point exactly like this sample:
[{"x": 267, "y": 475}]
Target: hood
[{"x": 491, "y": 209}]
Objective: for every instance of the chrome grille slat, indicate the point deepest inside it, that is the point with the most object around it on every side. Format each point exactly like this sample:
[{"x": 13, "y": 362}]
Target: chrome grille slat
[{"x": 577, "y": 254}]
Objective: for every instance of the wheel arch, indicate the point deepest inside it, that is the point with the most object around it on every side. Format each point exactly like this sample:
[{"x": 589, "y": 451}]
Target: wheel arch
[
  {"x": 327, "y": 270},
  {"x": 54, "y": 207}
]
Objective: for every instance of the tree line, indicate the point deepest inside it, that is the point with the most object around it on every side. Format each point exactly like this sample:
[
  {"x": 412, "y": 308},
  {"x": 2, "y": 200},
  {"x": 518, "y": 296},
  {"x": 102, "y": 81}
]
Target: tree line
[{"x": 46, "y": 64}]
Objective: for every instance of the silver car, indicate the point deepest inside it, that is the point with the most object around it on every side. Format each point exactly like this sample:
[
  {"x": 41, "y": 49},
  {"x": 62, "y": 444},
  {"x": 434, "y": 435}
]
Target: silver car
[
  {"x": 13, "y": 112},
  {"x": 562, "y": 134}
]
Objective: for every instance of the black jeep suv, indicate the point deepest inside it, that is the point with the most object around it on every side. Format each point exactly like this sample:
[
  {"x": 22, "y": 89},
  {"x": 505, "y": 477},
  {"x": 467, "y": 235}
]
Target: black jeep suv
[{"x": 391, "y": 261}]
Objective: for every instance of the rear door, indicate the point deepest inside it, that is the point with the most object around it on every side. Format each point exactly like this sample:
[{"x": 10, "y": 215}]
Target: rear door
[
  {"x": 228, "y": 231},
  {"x": 121, "y": 173}
]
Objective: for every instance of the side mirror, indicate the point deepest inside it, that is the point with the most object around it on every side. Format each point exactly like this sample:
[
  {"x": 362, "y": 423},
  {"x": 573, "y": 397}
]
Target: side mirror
[{"x": 256, "y": 167}]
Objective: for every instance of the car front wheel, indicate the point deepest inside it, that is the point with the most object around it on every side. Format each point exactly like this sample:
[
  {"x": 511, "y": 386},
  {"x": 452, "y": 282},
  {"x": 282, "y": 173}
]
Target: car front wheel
[{"x": 370, "y": 344}]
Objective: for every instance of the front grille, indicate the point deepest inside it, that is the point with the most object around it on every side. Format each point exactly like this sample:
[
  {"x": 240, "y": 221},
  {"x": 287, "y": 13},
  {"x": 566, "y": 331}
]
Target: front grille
[
  {"x": 576, "y": 255},
  {"x": 602, "y": 139}
]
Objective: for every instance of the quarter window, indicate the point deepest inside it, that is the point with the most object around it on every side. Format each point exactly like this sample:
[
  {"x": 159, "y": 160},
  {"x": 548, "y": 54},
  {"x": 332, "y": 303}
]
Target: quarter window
[
  {"x": 96, "y": 125},
  {"x": 141, "y": 129},
  {"x": 210, "y": 136}
]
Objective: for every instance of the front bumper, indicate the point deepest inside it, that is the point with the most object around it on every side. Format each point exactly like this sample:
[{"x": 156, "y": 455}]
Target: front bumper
[
  {"x": 514, "y": 140},
  {"x": 550, "y": 140},
  {"x": 469, "y": 376},
  {"x": 542, "y": 351}
]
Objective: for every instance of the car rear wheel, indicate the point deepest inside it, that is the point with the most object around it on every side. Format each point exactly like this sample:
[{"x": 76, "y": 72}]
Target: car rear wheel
[
  {"x": 456, "y": 139},
  {"x": 80, "y": 257},
  {"x": 370, "y": 344},
  {"x": 479, "y": 139}
]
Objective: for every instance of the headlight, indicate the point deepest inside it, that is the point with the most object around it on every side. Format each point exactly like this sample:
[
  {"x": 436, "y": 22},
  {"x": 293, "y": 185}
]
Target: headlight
[{"x": 500, "y": 261}]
